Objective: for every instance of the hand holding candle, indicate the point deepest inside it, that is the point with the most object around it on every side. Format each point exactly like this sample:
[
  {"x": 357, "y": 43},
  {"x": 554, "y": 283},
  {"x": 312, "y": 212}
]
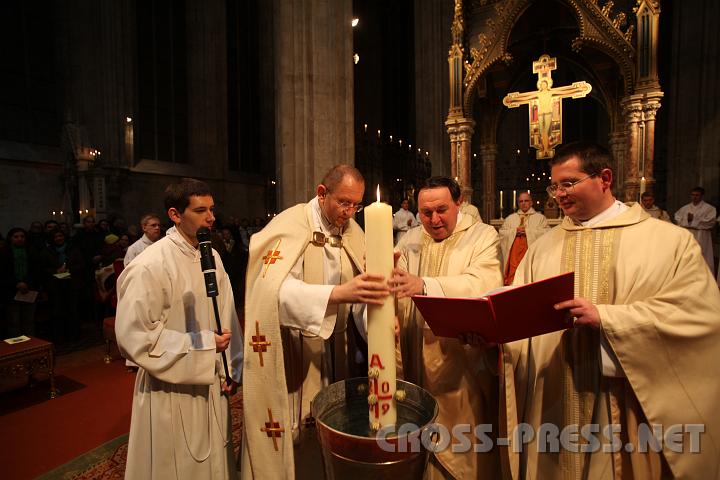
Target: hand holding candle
[{"x": 381, "y": 318}]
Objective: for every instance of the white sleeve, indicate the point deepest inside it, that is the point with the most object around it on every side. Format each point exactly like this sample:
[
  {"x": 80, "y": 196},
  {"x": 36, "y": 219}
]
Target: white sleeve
[
  {"x": 305, "y": 306},
  {"x": 166, "y": 354}
]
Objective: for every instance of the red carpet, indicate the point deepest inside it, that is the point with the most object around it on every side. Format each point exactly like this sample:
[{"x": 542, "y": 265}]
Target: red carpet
[
  {"x": 40, "y": 434},
  {"x": 107, "y": 462}
]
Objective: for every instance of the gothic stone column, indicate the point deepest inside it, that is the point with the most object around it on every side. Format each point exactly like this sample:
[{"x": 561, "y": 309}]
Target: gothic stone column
[
  {"x": 650, "y": 108},
  {"x": 314, "y": 85},
  {"x": 461, "y": 131},
  {"x": 488, "y": 156},
  {"x": 618, "y": 147},
  {"x": 632, "y": 109}
]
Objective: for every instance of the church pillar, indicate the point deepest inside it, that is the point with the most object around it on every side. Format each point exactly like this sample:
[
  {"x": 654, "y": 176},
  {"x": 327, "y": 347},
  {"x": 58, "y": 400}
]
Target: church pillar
[
  {"x": 650, "y": 108},
  {"x": 314, "y": 88},
  {"x": 461, "y": 131},
  {"x": 618, "y": 148},
  {"x": 640, "y": 110},
  {"x": 632, "y": 109},
  {"x": 488, "y": 156},
  {"x": 459, "y": 127}
]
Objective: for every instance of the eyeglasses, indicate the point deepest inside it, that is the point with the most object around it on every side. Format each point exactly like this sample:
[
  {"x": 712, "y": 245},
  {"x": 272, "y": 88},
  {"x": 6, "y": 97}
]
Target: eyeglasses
[
  {"x": 566, "y": 187},
  {"x": 355, "y": 207}
]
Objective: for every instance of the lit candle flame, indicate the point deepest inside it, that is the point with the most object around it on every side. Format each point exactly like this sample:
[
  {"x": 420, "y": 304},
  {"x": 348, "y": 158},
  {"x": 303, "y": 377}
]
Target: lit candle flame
[{"x": 378, "y": 193}]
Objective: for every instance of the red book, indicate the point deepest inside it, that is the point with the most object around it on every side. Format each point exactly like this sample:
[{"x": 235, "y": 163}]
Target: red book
[{"x": 504, "y": 316}]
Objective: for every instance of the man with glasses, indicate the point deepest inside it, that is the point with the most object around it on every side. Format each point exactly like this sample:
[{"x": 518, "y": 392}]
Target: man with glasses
[
  {"x": 150, "y": 224},
  {"x": 452, "y": 255},
  {"x": 305, "y": 315},
  {"x": 643, "y": 348}
]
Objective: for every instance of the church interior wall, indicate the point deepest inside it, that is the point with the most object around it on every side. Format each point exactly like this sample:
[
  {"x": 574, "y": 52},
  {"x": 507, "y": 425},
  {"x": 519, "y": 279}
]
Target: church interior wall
[
  {"x": 91, "y": 58},
  {"x": 29, "y": 191},
  {"x": 689, "y": 121},
  {"x": 432, "y": 89}
]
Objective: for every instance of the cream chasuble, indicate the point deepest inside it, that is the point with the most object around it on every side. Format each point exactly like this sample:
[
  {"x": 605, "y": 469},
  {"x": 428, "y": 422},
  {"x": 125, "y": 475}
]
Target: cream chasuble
[
  {"x": 463, "y": 265},
  {"x": 286, "y": 367},
  {"x": 660, "y": 315}
]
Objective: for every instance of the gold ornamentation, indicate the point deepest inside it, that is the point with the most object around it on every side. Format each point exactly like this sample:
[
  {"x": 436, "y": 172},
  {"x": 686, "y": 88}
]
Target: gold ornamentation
[
  {"x": 259, "y": 343},
  {"x": 319, "y": 239},
  {"x": 271, "y": 257},
  {"x": 273, "y": 429}
]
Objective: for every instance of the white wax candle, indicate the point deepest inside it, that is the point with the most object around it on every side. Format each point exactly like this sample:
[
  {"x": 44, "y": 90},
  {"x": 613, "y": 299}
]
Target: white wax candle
[
  {"x": 642, "y": 186},
  {"x": 381, "y": 318},
  {"x": 501, "y": 202},
  {"x": 514, "y": 199}
]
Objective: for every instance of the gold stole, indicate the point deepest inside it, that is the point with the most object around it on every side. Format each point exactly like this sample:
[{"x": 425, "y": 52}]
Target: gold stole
[{"x": 589, "y": 253}]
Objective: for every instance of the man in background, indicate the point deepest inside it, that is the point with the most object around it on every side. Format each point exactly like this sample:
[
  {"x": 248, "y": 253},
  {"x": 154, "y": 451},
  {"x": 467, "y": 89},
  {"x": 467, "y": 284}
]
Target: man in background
[
  {"x": 403, "y": 220},
  {"x": 699, "y": 217},
  {"x": 150, "y": 224},
  {"x": 518, "y": 232},
  {"x": 648, "y": 202}
]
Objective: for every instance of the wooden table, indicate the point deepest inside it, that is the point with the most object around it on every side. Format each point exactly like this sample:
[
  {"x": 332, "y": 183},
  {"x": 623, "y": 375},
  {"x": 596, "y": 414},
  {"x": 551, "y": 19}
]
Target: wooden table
[{"x": 26, "y": 358}]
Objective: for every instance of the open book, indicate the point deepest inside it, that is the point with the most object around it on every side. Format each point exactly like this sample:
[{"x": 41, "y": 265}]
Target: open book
[{"x": 503, "y": 315}]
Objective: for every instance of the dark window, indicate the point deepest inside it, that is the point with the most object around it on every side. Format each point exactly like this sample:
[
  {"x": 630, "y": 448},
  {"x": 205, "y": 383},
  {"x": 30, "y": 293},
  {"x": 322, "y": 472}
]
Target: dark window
[
  {"x": 30, "y": 85},
  {"x": 161, "y": 121},
  {"x": 244, "y": 135}
]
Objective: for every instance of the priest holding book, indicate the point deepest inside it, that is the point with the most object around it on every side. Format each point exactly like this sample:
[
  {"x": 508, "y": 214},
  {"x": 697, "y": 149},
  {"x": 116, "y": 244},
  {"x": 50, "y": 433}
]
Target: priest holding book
[
  {"x": 453, "y": 255},
  {"x": 643, "y": 351}
]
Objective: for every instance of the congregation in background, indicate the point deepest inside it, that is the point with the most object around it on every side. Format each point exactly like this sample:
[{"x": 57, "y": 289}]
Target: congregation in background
[{"x": 57, "y": 280}]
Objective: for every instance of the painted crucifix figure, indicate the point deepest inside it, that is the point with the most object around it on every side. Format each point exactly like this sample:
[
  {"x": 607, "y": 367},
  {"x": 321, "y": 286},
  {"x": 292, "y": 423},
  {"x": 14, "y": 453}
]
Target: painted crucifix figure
[{"x": 545, "y": 106}]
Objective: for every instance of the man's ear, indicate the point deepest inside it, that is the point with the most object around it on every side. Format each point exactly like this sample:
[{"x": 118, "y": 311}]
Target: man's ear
[
  {"x": 321, "y": 191},
  {"x": 174, "y": 214},
  {"x": 606, "y": 175}
]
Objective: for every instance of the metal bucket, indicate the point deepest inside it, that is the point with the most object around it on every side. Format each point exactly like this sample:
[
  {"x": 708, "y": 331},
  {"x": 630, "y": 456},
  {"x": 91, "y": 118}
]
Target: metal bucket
[{"x": 350, "y": 450}]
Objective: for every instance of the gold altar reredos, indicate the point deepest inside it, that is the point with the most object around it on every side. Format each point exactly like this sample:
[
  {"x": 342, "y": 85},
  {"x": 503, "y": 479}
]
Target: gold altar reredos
[{"x": 625, "y": 35}]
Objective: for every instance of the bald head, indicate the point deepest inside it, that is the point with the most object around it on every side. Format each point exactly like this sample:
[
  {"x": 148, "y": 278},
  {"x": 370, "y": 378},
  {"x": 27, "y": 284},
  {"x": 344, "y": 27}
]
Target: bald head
[{"x": 334, "y": 177}]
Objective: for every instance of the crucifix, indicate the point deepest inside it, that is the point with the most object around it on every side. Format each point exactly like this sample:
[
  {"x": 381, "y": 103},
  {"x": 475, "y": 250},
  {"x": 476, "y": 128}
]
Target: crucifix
[{"x": 545, "y": 106}]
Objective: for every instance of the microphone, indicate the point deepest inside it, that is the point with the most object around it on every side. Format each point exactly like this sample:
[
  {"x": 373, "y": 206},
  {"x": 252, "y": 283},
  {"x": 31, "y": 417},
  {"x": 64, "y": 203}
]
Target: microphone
[{"x": 207, "y": 261}]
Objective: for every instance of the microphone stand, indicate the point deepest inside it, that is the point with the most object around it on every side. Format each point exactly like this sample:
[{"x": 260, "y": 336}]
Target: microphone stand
[
  {"x": 228, "y": 380},
  {"x": 207, "y": 263}
]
